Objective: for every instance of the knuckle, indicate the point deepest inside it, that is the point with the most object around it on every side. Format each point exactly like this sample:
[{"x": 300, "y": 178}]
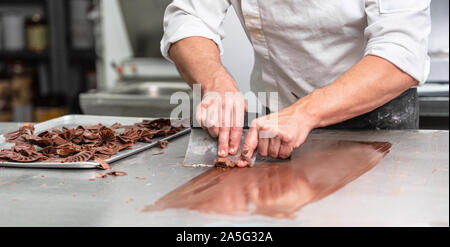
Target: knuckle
[
  {"x": 254, "y": 123},
  {"x": 273, "y": 154},
  {"x": 284, "y": 156}
]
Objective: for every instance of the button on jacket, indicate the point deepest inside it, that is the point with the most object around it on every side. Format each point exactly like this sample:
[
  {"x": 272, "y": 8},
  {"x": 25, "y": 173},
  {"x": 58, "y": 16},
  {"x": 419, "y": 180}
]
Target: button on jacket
[{"x": 302, "y": 45}]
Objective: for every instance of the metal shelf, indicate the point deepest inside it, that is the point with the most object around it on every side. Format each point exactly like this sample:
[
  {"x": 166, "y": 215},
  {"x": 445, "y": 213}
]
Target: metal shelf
[
  {"x": 23, "y": 55},
  {"x": 82, "y": 55},
  {"x": 22, "y": 2}
]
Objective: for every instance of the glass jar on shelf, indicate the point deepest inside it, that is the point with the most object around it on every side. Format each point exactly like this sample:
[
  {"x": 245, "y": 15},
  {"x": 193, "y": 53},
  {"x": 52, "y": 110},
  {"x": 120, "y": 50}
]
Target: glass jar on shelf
[{"x": 36, "y": 33}]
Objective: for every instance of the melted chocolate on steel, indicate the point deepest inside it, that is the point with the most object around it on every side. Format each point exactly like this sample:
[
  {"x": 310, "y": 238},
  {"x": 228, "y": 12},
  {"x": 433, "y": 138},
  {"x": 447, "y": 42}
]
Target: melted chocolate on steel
[{"x": 278, "y": 189}]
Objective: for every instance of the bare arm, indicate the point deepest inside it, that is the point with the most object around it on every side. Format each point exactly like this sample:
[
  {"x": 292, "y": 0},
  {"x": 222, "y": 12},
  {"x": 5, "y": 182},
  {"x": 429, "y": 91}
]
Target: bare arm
[
  {"x": 198, "y": 61},
  {"x": 369, "y": 84}
]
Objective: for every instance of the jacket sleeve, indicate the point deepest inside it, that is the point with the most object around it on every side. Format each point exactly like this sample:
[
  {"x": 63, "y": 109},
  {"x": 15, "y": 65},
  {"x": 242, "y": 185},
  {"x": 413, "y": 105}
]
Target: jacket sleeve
[
  {"x": 187, "y": 18},
  {"x": 398, "y": 31}
]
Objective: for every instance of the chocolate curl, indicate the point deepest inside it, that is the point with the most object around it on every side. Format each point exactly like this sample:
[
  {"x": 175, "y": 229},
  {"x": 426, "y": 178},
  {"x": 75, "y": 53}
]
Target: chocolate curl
[
  {"x": 117, "y": 173},
  {"x": 103, "y": 165},
  {"x": 163, "y": 143}
]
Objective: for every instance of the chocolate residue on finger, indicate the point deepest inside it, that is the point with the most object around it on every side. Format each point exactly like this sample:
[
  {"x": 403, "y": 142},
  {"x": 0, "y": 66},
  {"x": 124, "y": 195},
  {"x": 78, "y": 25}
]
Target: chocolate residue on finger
[
  {"x": 277, "y": 189},
  {"x": 224, "y": 162},
  {"x": 244, "y": 157}
]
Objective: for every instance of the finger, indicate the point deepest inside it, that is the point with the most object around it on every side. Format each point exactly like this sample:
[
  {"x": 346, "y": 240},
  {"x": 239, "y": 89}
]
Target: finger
[
  {"x": 224, "y": 128},
  {"x": 235, "y": 139},
  {"x": 274, "y": 147},
  {"x": 263, "y": 146},
  {"x": 198, "y": 114},
  {"x": 204, "y": 117},
  {"x": 206, "y": 103},
  {"x": 249, "y": 145},
  {"x": 201, "y": 116},
  {"x": 285, "y": 150},
  {"x": 212, "y": 121},
  {"x": 301, "y": 139},
  {"x": 208, "y": 100},
  {"x": 237, "y": 128},
  {"x": 285, "y": 137},
  {"x": 213, "y": 132},
  {"x": 263, "y": 141},
  {"x": 224, "y": 137}
]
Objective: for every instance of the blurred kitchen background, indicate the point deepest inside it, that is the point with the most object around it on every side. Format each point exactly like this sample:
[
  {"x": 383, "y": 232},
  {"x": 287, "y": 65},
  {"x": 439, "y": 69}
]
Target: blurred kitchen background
[{"x": 102, "y": 57}]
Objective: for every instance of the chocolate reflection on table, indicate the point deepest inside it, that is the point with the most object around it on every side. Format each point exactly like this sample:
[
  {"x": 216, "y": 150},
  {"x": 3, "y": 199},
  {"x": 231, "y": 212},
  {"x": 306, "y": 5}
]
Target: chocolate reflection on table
[{"x": 317, "y": 169}]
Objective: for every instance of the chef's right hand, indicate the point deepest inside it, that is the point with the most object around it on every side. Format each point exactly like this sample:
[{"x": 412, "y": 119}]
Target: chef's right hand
[{"x": 221, "y": 113}]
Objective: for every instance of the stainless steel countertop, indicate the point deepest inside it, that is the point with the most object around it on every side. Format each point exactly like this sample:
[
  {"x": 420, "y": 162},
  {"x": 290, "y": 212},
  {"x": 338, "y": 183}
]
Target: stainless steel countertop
[{"x": 410, "y": 187}]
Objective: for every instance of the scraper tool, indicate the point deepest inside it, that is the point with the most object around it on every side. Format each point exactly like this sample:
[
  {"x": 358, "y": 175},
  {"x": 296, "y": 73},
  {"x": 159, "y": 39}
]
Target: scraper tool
[{"x": 202, "y": 148}]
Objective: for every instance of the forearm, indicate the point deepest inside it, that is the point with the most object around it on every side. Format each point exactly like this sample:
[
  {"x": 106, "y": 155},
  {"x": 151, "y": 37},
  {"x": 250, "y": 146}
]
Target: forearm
[
  {"x": 198, "y": 61},
  {"x": 368, "y": 85}
]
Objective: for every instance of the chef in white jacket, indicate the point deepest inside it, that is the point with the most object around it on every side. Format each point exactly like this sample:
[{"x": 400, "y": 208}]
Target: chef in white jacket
[{"x": 340, "y": 63}]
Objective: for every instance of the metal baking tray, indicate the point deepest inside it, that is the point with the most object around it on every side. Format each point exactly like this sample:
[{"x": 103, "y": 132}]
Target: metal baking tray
[{"x": 75, "y": 120}]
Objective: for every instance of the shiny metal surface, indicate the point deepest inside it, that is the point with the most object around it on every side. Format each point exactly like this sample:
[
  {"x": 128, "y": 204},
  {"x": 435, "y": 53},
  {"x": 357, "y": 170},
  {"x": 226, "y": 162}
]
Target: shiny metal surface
[
  {"x": 434, "y": 106},
  {"x": 150, "y": 89},
  {"x": 149, "y": 99},
  {"x": 277, "y": 189},
  {"x": 409, "y": 187},
  {"x": 202, "y": 149}
]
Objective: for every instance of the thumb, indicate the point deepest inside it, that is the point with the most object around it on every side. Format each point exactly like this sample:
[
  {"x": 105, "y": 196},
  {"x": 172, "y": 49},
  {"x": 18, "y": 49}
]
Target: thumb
[{"x": 249, "y": 146}]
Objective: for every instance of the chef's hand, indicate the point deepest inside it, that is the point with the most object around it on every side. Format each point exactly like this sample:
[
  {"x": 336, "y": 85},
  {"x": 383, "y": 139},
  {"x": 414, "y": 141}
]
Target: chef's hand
[
  {"x": 277, "y": 135},
  {"x": 221, "y": 113}
]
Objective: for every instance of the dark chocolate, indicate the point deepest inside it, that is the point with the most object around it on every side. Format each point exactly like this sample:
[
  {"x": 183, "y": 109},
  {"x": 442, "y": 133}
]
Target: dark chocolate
[
  {"x": 163, "y": 143},
  {"x": 82, "y": 143}
]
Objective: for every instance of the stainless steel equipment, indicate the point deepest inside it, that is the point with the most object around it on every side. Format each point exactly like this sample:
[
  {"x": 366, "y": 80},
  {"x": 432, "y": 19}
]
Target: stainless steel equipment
[
  {"x": 143, "y": 83},
  {"x": 134, "y": 99},
  {"x": 409, "y": 187},
  {"x": 202, "y": 149}
]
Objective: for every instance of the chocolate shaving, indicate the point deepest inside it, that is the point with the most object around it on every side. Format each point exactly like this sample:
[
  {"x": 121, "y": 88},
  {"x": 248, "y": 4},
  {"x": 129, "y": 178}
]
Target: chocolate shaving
[
  {"x": 103, "y": 165},
  {"x": 116, "y": 126},
  {"x": 158, "y": 153},
  {"x": 79, "y": 157},
  {"x": 163, "y": 143},
  {"x": 99, "y": 175},
  {"x": 224, "y": 162},
  {"x": 117, "y": 173}
]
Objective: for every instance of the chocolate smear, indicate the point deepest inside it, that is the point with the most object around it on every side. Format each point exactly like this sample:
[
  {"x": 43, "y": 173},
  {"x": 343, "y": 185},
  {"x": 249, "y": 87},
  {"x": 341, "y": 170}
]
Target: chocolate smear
[{"x": 277, "y": 189}]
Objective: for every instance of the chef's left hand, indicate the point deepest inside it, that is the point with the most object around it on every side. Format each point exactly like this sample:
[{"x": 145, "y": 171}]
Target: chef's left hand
[{"x": 278, "y": 134}]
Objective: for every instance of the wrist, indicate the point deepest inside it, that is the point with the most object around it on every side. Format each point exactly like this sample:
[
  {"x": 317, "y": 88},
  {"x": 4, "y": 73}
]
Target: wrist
[
  {"x": 307, "y": 111},
  {"x": 220, "y": 81}
]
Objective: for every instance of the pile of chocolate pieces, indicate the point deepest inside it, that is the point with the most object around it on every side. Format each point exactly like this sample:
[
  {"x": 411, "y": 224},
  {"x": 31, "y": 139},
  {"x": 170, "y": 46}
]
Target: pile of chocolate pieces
[{"x": 82, "y": 143}]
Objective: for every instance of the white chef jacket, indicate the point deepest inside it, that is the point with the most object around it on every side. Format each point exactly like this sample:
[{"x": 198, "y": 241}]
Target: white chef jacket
[{"x": 302, "y": 45}]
